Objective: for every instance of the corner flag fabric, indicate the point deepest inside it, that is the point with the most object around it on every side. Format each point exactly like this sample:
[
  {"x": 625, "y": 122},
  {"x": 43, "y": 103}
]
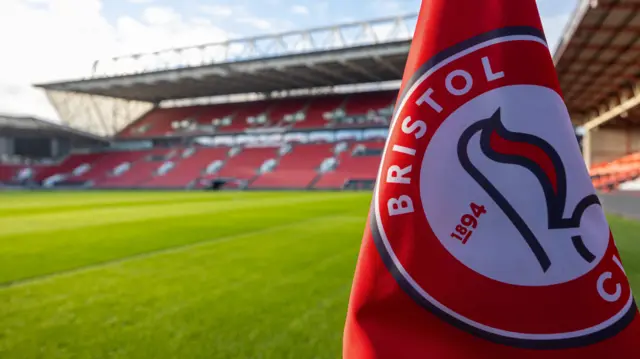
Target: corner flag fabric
[{"x": 485, "y": 237}]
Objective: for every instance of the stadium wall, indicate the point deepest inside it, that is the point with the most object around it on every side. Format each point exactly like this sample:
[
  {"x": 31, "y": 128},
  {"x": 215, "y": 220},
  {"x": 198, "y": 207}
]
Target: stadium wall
[
  {"x": 626, "y": 204},
  {"x": 608, "y": 144}
]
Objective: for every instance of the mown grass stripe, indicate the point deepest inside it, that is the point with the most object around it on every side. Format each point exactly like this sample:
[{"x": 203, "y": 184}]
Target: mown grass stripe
[
  {"x": 116, "y": 215},
  {"x": 174, "y": 249}
]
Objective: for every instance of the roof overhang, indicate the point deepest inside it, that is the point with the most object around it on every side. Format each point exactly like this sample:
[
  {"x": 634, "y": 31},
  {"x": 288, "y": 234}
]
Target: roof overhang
[
  {"x": 597, "y": 61},
  {"x": 354, "y": 53},
  {"x": 353, "y": 65},
  {"x": 29, "y": 126}
]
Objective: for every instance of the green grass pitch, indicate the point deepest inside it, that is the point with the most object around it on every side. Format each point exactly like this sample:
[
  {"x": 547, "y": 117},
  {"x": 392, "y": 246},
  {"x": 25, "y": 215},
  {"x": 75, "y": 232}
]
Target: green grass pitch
[{"x": 186, "y": 275}]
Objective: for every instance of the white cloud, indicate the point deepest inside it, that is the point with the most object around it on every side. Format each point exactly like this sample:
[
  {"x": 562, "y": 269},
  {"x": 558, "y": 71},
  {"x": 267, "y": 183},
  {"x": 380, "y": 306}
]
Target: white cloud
[
  {"x": 60, "y": 40},
  {"x": 52, "y": 40},
  {"x": 257, "y": 22},
  {"x": 217, "y": 10},
  {"x": 141, "y": 1},
  {"x": 299, "y": 9},
  {"x": 160, "y": 15}
]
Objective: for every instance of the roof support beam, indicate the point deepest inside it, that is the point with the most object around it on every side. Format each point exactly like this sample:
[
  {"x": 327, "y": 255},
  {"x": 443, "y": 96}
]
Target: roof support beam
[
  {"x": 287, "y": 80},
  {"x": 626, "y": 101},
  {"x": 334, "y": 74},
  {"x": 612, "y": 47},
  {"x": 586, "y": 148},
  {"x": 360, "y": 69},
  {"x": 394, "y": 70},
  {"x": 617, "y": 6},
  {"x": 631, "y": 30},
  {"x": 306, "y": 77}
]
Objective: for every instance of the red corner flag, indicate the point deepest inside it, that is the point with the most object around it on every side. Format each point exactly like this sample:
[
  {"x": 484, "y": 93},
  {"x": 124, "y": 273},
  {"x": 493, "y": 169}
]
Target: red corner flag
[{"x": 486, "y": 238}]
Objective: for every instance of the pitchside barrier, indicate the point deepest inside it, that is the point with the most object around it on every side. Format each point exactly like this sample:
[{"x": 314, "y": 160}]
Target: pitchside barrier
[{"x": 623, "y": 203}]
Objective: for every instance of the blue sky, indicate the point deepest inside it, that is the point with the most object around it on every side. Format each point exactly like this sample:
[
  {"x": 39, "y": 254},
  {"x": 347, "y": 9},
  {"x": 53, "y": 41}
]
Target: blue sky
[
  {"x": 253, "y": 17},
  {"x": 272, "y": 15},
  {"x": 59, "y": 39}
]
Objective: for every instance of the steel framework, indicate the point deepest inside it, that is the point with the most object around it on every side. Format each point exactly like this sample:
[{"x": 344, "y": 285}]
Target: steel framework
[
  {"x": 391, "y": 29},
  {"x": 99, "y": 115},
  {"x": 120, "y": 90}
]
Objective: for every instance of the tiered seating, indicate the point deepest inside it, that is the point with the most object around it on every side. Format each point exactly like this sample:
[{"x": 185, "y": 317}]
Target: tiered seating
[
  {"x": 214, "y": 115},
  {"x": 141, "y": 170},
  {"x": 296, "y": 169},
  {"x": 607, "y": 176},
  {"x": 68, "y": 165},
  {"x": 370, "y": 145},
  {"x": 351, "y": 167},
  {"x": 8, "y": 172},
  {"x": 316, "y": 112},
  {"x": 300, "y": 168},
  {"x": 246, "y": 164},
  {"x": 361, "y": 103},
  {"x": 245, "y": 111},
  {"x": 160, "y": 122},
  {"x": 188, "y": 169},
  {"x": 106, "y": 163},
  {"x": 286, "y": 109},
  {"x": 363, "y": 109},
  {"x": 353, "y": 111}
]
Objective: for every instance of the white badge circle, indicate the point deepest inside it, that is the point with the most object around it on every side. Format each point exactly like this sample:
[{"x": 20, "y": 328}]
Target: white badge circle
[{"x": 496, "y": 249}]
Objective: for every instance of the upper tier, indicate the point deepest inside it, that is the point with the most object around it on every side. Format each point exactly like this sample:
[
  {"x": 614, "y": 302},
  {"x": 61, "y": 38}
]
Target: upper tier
[{"x": 359, "y": 110}]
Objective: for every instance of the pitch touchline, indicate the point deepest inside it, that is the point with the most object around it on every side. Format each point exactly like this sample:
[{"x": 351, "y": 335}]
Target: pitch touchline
[{"x": 175, "y": 249}]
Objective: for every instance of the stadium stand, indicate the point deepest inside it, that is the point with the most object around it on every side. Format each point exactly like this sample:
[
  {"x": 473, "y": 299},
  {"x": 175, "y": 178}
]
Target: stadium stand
[
  {"x": 134, "y": 170},
  {"x": 110, "y": 164},
  {"x": 341, "y": 111},
  {"x": 320, "y": 112},
  {"x": 281, "y": 138},
  {"x": 270, "y": 140},
  {"x": 281, "y": 165},
  {"x": 363, "y": 110},
  {"x": 250, "y": 120},
  {"x": 8, "y": 172},
  {"x": 285, "y": 113},
  {"x": 246, "y": 164},
  {"x": 160, "y": 122},
  {"x": 74, "y": 164},
  {"x": 213, "y": 116},
  {"x": 298, "y": 168},
  {"x": 189, "y": 165},
  {"x": 358, "y": 164},
  {"x": 610, "y": 175},
  {"x": 599, "y": 80}
]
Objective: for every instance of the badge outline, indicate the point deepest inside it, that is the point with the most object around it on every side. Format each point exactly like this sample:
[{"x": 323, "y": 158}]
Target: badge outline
[
  {"x": 578, "y": 338},
  {"x": 555, "y": 203}
]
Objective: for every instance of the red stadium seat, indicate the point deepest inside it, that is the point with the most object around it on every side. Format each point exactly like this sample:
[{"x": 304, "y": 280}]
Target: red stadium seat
[
  {"x": 296, "y": 169},
  {"x": 68, "y": 165},
  {"x": 160, "y": 122},
  {"x": 352, "y": 167},
  {"x": 187, "y": 170},
  {"x": 246, "y": 164},
  {"x": 315, "y": 115}
]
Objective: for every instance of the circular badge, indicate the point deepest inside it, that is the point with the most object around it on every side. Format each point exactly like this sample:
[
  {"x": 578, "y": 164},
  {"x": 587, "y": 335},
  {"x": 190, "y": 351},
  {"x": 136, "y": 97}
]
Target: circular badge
[{"x": 484, "y": 212}]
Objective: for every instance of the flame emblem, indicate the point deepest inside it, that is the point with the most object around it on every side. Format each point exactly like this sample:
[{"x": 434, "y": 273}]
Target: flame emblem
[{"x": 541, "y": 159}]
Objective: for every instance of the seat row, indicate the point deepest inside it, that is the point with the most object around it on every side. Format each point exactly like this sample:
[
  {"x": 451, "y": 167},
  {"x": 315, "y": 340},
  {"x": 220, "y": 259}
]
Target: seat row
[
  {"x": 336, "y": 111},
  {"x": 299, "y": 166}
]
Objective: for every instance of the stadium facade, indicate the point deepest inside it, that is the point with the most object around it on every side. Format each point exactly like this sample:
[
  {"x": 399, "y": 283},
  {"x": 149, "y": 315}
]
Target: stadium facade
[
  {"x": 305, "y": 109},
  {"x": 598, "y": 72},
  {"x": 310, "y": 109}
]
